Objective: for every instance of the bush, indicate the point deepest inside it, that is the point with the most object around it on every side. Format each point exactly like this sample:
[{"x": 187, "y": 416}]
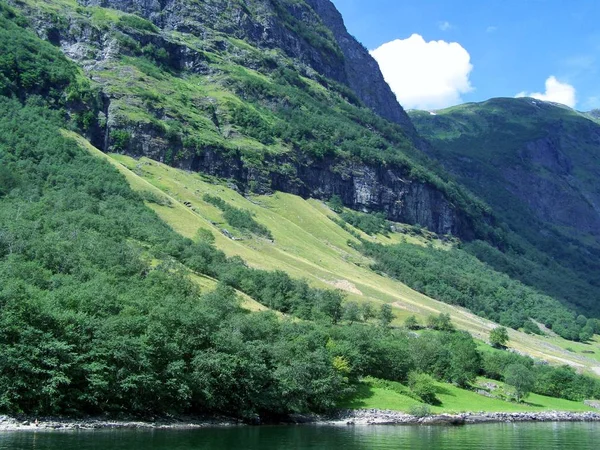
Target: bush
[
  {"x": 336, "y": 204},
  {"x": 530, "y": 327},
  {"x": 137, "y": 23},
  {"x": 371, "y": 223},
  {"x": 153, "y": 197},
  {"x": 120, "y": 140},
  {"x": 498, "y": 337},
  {"x": 420, "y": 410},
  {"x": 441, "y": 322},
  {"x": 204, "y": 235},
  {"x": 423, "y": 386},
  {"x": 411, "y": 323},
  {"x": 238, "y": 218}
]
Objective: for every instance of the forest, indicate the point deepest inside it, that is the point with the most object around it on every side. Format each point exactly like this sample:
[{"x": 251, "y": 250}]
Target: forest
[{"x": 456, "y": 277}]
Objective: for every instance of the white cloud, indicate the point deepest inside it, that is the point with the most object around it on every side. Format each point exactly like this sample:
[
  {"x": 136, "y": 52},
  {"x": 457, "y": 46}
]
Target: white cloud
[
  {"x": 555, "y": 92},
  {"x": 445, "y": 25},
  {"x": 491, "y": 29},
  {"x": 425, "y": 75}
]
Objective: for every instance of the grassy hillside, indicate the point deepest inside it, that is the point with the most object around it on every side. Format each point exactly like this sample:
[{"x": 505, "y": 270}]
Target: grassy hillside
[
  {"x": 182, "y": 98},
  {"x": 308, "y": 244},
  {"x": 454, "y": 400}
]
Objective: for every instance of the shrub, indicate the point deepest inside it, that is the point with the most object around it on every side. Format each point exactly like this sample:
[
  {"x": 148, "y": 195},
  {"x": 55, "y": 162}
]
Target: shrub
[
  {"x": 423, "y": 386},
  {"x": 152, "y": 197},
  {"x": 137, "y": 23},
  {"x": 441, "y": 322},
  {"x": 336, "y": 204},
  {"x": 498, "y": 337},
  {"x": 411, "y": 323},
  {"x": 419, "y": 410},
  {"x": 120, "y": 140},
  {"x": 531, "y": 328},
  {"x": 238, "y": 218}
]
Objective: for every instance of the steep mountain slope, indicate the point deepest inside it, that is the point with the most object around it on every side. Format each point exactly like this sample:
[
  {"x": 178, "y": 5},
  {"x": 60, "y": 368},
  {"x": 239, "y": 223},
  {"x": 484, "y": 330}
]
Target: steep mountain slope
[
  {"x": 199, "y": 88},
  {"x": 262, "y": 92},
  {"x": 528, "y": 158},
  {"x": 309, "y": 244},
  {"x": 538, "y": 165},
  {"x": 106, "y": 308}
]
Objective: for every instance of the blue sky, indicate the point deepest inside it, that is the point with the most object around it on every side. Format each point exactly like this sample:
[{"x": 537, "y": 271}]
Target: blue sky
[{"x": 502, "y": 48}]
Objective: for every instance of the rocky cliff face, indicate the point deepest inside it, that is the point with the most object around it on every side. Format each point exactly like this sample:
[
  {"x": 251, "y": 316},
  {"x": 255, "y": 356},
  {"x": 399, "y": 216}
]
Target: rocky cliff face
[
  {"x": 267, "y": 24},
  {"x": 193, "y": 44},
  {"x": 362, "y": 71},
  {"x": 274, "y": 24},
  {"x": 362, "y": 187}
]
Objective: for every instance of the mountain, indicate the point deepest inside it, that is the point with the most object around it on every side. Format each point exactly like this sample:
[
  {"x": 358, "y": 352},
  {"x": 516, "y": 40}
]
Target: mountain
[
  {"x": 537, "y": 164},
  {"x": 534, "y": 159},
  {"x": 273, "y": 94},
  {"x": 176, "y": 237}
]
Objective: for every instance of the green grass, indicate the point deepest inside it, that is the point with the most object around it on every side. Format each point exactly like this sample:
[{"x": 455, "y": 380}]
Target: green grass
[{"x": 454, "y": 400}]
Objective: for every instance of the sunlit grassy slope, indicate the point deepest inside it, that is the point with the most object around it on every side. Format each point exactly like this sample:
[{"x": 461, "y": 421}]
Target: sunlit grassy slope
[
  {"x": 308, "y": 244},
  {"x": 455, "y": 400}
]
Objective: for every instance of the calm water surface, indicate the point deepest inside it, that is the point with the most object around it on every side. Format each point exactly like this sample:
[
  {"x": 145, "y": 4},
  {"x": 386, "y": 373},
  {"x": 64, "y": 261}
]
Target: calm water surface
[{"x": 547, "y": 436}]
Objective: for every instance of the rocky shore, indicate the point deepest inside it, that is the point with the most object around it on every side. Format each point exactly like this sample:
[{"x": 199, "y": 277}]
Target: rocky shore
[
  {"x": 341, "y": 417},
  {"x": 31, "y": 423},
  {"x": 383, "y": 417}
]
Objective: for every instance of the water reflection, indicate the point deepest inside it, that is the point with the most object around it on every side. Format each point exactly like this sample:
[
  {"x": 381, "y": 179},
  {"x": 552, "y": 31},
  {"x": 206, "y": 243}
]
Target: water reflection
[{"x": 493, "y": 437}]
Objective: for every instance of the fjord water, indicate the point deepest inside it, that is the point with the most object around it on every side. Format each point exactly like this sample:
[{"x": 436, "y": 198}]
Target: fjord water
[{"x": 504, "y": 436}]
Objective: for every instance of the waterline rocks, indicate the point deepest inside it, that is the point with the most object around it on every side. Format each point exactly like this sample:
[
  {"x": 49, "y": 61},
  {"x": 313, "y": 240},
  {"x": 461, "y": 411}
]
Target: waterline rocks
[
  {"x": 31, "y": 423},
  {"x": 387, "y": 417}
]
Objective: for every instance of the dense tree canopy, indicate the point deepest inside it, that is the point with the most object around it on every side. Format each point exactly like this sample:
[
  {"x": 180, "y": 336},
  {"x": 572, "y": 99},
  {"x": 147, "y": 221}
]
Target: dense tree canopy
[{"x": 456, "y": 277}]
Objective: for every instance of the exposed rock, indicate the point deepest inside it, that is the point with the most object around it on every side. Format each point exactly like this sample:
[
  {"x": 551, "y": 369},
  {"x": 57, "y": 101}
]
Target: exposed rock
[
  {"x": 360, "y": 186},
  {"x": 381, "y": 417},
  {"x": 340, "y": 417},
  {"x": 367, "y": 187},
  {"x": 362, "y": 71}
]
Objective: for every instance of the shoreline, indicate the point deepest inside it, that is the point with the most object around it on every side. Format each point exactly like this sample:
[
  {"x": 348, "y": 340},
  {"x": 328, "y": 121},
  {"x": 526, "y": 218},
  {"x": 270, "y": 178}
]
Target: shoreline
[
  {"x": 387, "y": 417},
  {"x": 340, "y": 418}
]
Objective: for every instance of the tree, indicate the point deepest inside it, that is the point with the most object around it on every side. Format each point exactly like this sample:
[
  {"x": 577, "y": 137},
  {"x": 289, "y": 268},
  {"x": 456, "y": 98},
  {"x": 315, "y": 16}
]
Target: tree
[
  {"x": 8, "y": 179},
  {"x": 336, "y": 204},
  {"x": 441, "y": 322},
  {"x": 499, "y": 337},
  {"x": 465, "y": 361},
  {"x": 351, "y": 312},
  {"x": 432, "y": 322},
  {"x": 521, "y": 379},
  {"x": 411, "y": 323},
  {"x": 385, "y": 315},
  {"x": 423, "y": 386},
  {"x": 530, "y": 327},
  {"x": 367, "y": 312},
  {"x": 586, "y": 334}
]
